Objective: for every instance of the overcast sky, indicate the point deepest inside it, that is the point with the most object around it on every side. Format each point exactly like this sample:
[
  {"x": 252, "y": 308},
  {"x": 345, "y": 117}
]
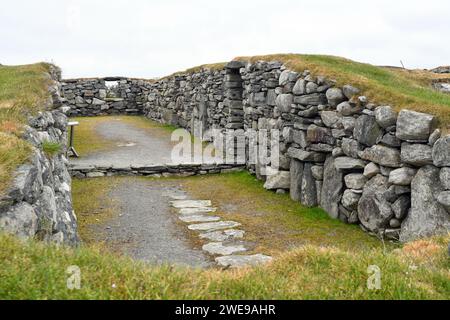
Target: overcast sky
[{"x": 144, "y": 38}]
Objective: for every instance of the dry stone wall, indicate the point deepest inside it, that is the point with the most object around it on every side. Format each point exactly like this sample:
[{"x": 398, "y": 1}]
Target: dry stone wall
[
  {"x": 92, "y": 97},
  {"x": 362, "y": 163},
  {"x": 38, "y": 203}
]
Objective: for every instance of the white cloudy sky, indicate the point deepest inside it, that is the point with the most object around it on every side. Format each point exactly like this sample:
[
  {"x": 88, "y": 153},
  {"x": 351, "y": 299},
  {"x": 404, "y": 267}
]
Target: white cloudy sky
[{"x": 150, "y": 38}]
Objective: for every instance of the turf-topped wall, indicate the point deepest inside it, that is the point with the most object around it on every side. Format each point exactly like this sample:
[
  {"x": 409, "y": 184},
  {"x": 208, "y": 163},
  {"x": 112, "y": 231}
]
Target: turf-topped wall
[
  {"x": 93, "y": 97},
  {"x": 38, "y": 203},
  {"x": 363, "y": 163}
]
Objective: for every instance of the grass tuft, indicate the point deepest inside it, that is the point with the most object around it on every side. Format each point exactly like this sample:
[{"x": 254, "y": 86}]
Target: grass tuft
[{"x": 51, "y": 148}]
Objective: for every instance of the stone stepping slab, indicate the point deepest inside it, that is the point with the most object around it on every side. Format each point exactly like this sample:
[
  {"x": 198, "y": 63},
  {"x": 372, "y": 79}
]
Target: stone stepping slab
[
  {"x": 191, "y": 203},
  {"x": 196, "y": 211},
  {"x": 218, "y": 236},
  {"x": 214, "y": 226},
  {"x": 199, "y": 218},
  {"x": 218, "y": 248},
  {"x": 238, "y": 261}
]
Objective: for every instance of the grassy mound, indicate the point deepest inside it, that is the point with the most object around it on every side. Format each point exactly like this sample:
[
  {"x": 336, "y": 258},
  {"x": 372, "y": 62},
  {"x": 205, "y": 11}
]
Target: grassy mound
[{"x": 23, "y": 89}]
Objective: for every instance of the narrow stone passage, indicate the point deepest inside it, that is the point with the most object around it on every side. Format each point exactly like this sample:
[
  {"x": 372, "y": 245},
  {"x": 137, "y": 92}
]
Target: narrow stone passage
[{"x": 134, "y": 145}]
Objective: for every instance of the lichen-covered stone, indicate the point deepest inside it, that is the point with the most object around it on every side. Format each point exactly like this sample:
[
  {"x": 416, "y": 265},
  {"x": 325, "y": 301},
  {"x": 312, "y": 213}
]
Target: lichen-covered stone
[
  {"x": 382, "y": 155},
  {"x": 441, "y": 152},
  {"x": 415, "y": 126},
  {"x": 427, "y": 217},
  {"x": 332, "y": 188}
]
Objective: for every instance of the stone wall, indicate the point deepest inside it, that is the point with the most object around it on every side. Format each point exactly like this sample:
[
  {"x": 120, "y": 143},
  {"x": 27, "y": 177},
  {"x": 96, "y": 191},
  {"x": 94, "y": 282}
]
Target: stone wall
[
  {"x": 92, "y": 97},
  {"x": 363, "y": 163},
  {"x": 38, "y": 203}
]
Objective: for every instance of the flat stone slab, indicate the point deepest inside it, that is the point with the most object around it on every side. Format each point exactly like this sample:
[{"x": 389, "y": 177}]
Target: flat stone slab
[
  {"x": 214, "y": 226},
  {"x": 199, "y": 218},
  {"x": 218, "y": 248},
  {"x": 234, "y": 261},
  {"x": 190, "y": 203},
  {"x": 219, "y": 236},
  {"x": 196, "y": 211}
]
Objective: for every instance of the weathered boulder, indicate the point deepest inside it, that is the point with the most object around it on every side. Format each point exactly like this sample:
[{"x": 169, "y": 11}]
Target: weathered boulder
[
  {"x": 434, "y": 137},
  {"x": 350, "y": 199},
  {"x": 317, "y": 134},
  {"x": 371, "y": 170},
  {"x": 346, "y": 109},
  {"x": 445, "y": 177},
  {"x": 96, "y": 101},
  {"x": 335, "y": 96},
  {"x": 330, "y": 119},
  {"x": 287, "y": 76},
  {"x": 332, "y": 188},
  {"x": 350, "y": 91},
  {"x": 402, "y": 176},
  {"x": 444, "y": 199},
  {"x": 299, "y": 87},
  {"x": 299, "y": 137},
  {"x": 355, "y": 181},
  {"x": 367, "y": 131},
  {"x": 317, "y": 172},
  {"x": 416, "y": 154},
  {"x": 374, "y": 211},
  {"x": 385, "y": 156},
  {"x": 441, "y": 152},
  {"x": 296, "y": 179},
  {"x": 347, "y": 163},
  {"x": 308, "y": 192},
  {"x": 313, "y": 99},
  {"x": 307, "y": 156},
  {"x": 279, "y": 180},
  {"x": 351, "y": 147},
  {"x": 284, "y": 102},
  {"x": 415, "y": 126},
  {"x": 21, "y": 220},
  {"x": 401, "y": 206},
  {"x": 385, "y": 116},
  {"x": 391, "y": 140},
  {"x": 427, "y": 217}
]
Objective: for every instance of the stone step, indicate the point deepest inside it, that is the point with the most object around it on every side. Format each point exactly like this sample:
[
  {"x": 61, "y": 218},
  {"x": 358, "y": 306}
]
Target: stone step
[
  {"x": 198, "y": 218},
  {"x": 194, "y": 211},
  {"x": 223, "y": 235},
  {"x": 214, "y": 226},
  {"x": 190, "y": 203},
  {"x": 238, "y": 261},
  {"x": 218, "y": 248}
]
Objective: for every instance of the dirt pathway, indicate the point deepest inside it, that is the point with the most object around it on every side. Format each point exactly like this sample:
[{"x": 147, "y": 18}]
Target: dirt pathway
[{"x": 144, "y": 227}]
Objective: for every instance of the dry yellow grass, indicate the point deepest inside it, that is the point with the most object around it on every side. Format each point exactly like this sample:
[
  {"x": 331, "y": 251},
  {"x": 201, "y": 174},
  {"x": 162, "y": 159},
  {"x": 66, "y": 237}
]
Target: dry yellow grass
[{"x": 23, "y": 89}]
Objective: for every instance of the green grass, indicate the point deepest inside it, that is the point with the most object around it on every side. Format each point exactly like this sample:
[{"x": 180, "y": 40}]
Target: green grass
[
  {"x": 275, "y": 222},
  {"x": 51, "y": 148},
  {"x": 330, "y": 263},
  {"x": 23, "y": 89},
  {"x": 34, "y": 270},
  {"x": 389, "y": 86}
]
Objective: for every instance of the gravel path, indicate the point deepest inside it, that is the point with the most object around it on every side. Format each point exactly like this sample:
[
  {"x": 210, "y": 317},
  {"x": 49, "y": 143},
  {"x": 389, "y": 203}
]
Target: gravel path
[
  {"x": 135, "y": 146},
  {"x": 146, "y": 228}
]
